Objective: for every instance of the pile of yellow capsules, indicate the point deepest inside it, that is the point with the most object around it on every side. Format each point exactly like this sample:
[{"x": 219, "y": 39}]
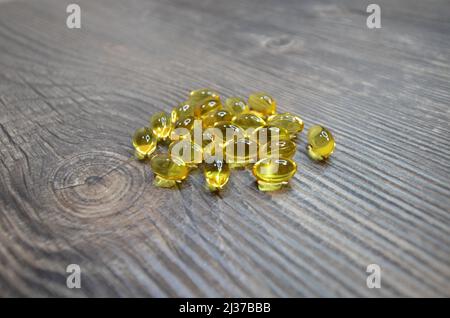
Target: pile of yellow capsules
[{"x": 260, "y": 138}]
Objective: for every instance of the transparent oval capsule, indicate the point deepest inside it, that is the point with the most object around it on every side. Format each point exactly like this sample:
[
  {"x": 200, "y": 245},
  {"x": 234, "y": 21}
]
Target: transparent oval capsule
[
  {"x": 262, "y": 103},
  {"x": 241, "y": 152},
  {"x": 182, "y": 129},
  {"x": 236, "y": 105},
  {"x": 203, "y": 93},
  {"x": 182, "y": 111},
  {"x": 225, "y": 131},
  {"x": 216, "y": 116},
  {"x": 320, "y": 143},
  {"x": 293, "y": 124},
  {"x": 249, "y": 121},
  {"x": 168, "y": 170},
  {"x": 212, "y": 148},
  {"x": 279, "y": 149},
  {"x": 188, "y": 151},
  {"x": 161, "y": 125},
  {"x": 271, "y": 174},
  {"x": 144, "y": 142},
  {"x": 217, "y": 174},
  {"x": 269, "y": 133},
  {"x": 203, "y": 107}
]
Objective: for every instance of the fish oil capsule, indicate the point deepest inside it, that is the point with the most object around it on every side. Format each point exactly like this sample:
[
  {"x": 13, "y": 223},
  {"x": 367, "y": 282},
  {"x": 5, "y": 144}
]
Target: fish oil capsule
[
  {"x": 320, "y": 143},
  {"x": 168, "y": 170},
  {"x": 266, "y": 134},
  {"x": 257, "y": 114},
  {"x": 186, "y": 150},
  {"x": 215, "y": 138},
  {"x": 217, "y": 174},
  {"x": 226, "y": 131},
  {"x": 278, "y": 149},
  {"x": 212, "y": 148},
  {"x": 249, "y": 121},
  {"x": 203, "y": 93},
  {"x": 161, "y": 125},
  {"x": 183, "y": 110},
  {"x": 241, "y": 152},
  {"x": 262, "y": 103},
  {"x": 271, "y": 173},
  {"x": 204, "y": 106},
  {"x": 183, "y": 128},
  {"x": 293, "y": 124},
  {"x": 236, "y": 105},
  {"x": 144, "y": 143},
  {"x": 216, "y": 116}
]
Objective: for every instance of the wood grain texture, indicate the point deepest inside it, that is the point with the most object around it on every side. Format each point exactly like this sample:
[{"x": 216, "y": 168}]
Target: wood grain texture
[{"x": 69, "y": 193}]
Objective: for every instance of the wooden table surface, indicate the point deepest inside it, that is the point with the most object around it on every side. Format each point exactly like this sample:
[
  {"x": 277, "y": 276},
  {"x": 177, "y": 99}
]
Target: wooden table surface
[{"x": 71, "y": 98}]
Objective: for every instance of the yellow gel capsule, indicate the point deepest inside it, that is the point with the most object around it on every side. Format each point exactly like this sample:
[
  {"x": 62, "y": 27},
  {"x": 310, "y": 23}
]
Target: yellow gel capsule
[
  {"x": 161, "y": 125},
  {"x": 186, "y": 150},
  {"x": 262, "y": 103},
  {"x": 258, "y": 114},
  {"x": 278, "y": 149},
  {"x": 168, "y": 170},
  {"x": 215, "y": 138},
  {"x": 217, "y": 174},
  {"x": 203, "y": 93},
  {"x": 249, "y": 121},
  {"x": 293, "y": 124},
  {"x": 144, "y": 142},
  {"x": 266, "y": 134},
  {"x": 183, "y": 110},
  {"x": 215, "y": 116},
  {"x": 211, "y": 147},
  {"x": 183, "y": 128},
  {"x": 226, "y": 131},
  {"x": 320, "y": 143},
  {"x": 203, "y": 107},
  {"x": 236, "y": 105},
  {"x": 271, "y": 174},
  {"x": 241, "y": 152}
]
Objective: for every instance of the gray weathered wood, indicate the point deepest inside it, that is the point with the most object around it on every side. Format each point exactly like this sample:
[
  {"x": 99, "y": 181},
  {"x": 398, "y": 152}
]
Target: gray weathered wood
[{"x": 70, "y": 99}]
